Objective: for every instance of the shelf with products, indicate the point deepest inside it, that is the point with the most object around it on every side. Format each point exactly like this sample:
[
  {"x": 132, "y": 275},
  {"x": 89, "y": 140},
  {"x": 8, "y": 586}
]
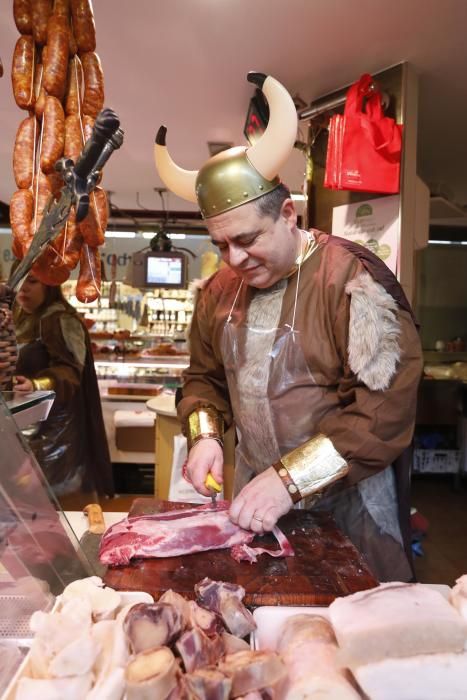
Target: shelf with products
[{"x": 136, "y": 314}]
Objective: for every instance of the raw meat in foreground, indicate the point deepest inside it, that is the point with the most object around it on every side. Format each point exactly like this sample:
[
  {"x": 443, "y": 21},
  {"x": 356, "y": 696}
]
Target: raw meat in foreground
[{"x": 174, "y": 533}]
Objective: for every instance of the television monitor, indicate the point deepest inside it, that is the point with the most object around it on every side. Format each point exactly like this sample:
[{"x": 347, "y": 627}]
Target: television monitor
[{"x": 165, "y": 270}]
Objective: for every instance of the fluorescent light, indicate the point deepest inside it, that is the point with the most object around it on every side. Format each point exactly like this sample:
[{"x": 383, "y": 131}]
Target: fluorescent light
[
  {"x": 151, "y": 234},
  {"x": 120, "y": 234},
  {"x": 447, "y": 242},
  {"x": 298, "y": 196}
]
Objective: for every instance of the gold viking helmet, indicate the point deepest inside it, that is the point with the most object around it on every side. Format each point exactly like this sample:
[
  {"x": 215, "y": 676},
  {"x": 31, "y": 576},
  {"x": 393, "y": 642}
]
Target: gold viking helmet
[{"x": 239, "y": 175}]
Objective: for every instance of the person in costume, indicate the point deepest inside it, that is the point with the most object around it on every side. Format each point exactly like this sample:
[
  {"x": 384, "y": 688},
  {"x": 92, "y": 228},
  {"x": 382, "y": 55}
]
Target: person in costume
[
  {"x": 55, "y": 354},
  {"x": 306, "y": 341}
]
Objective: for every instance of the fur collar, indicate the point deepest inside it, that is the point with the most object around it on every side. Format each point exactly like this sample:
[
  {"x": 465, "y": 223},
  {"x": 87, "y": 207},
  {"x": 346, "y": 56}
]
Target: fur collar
[{"x": 374, "y": 330}]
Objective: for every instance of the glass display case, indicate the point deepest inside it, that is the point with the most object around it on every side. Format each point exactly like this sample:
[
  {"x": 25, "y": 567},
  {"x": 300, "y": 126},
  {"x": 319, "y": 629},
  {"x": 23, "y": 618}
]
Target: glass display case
[{"x": 39, "y": 552}]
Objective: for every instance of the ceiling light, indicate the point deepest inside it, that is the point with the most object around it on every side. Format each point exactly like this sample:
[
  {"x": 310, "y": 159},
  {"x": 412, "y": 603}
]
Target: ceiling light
[{"x": 120, "y": 234}]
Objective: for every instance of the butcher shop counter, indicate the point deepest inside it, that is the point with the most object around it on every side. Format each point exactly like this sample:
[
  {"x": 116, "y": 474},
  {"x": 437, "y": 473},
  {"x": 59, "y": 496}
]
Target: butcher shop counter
[{"x": 326, "y": 564}]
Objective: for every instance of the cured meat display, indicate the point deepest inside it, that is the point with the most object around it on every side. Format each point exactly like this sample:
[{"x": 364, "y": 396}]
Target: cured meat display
[
  {"x": 175, "y": 533},
  {"x": 57, "y": 78}
]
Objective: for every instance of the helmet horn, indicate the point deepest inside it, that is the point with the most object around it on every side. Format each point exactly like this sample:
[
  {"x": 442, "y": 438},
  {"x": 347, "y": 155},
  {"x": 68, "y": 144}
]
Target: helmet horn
[
  {"x": 178, "y": 180},
  {"x": 270, "y": 153}
]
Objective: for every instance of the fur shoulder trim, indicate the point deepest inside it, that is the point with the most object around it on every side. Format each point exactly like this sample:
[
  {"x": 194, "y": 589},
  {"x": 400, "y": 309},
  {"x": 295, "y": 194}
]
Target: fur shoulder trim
[{"x": 374, "y": 330}]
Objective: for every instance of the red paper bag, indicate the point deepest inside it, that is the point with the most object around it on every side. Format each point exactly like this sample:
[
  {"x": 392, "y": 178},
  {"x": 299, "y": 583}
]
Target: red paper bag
[{"x": 371, "y": 143}]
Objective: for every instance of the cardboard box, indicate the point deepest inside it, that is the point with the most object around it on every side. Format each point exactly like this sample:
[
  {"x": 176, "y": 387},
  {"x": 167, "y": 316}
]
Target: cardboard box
[{"x": 135, "y": 431}]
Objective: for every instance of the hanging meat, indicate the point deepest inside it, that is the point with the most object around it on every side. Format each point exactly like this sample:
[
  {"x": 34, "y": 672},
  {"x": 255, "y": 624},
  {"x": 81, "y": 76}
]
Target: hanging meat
[{"x": 57, "y": 78}]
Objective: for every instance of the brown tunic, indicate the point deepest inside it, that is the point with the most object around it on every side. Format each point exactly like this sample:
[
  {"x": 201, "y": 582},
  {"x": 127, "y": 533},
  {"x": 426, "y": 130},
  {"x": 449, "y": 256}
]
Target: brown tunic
[{"x": 369, "y": 428}]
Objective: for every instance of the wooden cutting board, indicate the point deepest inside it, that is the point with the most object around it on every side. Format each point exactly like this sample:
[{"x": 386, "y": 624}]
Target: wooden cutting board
[{"x": 326, "y": 565}]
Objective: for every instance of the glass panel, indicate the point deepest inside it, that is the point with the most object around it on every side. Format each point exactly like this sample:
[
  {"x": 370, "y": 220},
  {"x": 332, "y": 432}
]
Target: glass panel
[{"x": 39, "y": 553}]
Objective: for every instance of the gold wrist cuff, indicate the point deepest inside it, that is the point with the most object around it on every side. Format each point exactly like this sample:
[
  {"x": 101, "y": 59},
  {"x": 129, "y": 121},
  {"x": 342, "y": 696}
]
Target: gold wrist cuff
[
  {"x": 314, "y": 465},
  {"x": 43, "y": 384},
  {"x": 205, "y": 422}
]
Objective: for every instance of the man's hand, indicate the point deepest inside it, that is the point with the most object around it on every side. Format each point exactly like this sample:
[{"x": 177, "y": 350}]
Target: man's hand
[
  {"x": 23, "y": 384},
  {"x": 261, "y": 503},
  {"x": 204, "y": 457}
]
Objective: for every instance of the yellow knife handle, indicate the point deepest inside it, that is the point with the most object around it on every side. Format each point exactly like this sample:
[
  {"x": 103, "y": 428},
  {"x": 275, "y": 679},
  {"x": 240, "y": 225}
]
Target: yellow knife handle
[
  {"x": 211, "y": 483},
  {"x": 95, "y": 518}
]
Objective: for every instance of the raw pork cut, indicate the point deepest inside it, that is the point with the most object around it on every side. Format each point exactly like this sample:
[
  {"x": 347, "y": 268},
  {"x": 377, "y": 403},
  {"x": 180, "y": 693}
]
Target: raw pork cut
[{"x": 172, "y": 534}]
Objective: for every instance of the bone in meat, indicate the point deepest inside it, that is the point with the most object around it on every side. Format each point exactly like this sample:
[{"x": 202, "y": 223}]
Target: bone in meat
[
  {"x": 225, "y": 599},
  {"x": 254, "y": 670},
  {"x": 207, "y": 684},
  {"x": 198, "y": 650},
  {"x": 151, "y": 674},
  {"x": 150, "y": 625}
]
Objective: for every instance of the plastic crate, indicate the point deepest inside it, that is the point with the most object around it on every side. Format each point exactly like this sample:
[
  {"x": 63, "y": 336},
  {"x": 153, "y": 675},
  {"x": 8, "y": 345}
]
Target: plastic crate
[{"x": 436, "y": 461}]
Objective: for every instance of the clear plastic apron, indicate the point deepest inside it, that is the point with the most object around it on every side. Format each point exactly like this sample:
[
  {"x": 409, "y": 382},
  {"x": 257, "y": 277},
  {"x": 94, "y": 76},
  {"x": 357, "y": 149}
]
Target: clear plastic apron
[{"x": 277, "y": 405}]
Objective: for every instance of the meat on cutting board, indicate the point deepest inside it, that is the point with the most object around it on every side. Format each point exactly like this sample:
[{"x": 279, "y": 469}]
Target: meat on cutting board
[{"x": 175, "y": 533}]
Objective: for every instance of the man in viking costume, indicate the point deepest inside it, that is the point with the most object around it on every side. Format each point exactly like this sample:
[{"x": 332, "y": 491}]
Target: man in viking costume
[{"x": 307, "y": 342}]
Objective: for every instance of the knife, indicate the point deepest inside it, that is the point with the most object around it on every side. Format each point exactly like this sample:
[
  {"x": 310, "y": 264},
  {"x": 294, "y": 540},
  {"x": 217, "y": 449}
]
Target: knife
[
  {"x": 91, "y": 540},
  {"x": 80, "y": 179},
  {"x": 214, "y": 488}
]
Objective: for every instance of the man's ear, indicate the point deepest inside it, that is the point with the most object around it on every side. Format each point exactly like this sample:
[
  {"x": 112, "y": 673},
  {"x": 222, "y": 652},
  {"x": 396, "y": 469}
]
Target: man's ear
[{"x": 289, "y": 212}]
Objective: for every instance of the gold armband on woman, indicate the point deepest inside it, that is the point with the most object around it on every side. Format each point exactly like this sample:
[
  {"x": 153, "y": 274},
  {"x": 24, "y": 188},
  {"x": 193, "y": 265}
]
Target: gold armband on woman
[
  {"x": 205, "y": 422},
  {"x": 43, "y": 384},
  {"x": 311, "y": 467}
]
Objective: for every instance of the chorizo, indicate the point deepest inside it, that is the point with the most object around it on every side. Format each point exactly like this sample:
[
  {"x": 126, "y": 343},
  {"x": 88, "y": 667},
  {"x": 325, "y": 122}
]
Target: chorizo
[
  {"x": 39, "y": 92},
  {"x": 73, "y": 138},
  {"x": 23, "y": 16},
  {"x": 56, "y": 66},
  {"x": 75, "y": 81},
  {"x": 93, "y": 97},
  {"x": 93, "y": 226},
  {"x": 69, "y": 242},
  {"x": 84, "y": 28},
  {"x": 88, "y": 287},
  {"x": 72, "y": 45},
  {"x": 53, "y": 133},
  {"x": 41, "y": 11},
  {"x": 50, "y": 269},
  {"x": 21, "y": 212},
  {"x": 62, "y": 8},
  {"x": 22, "y": 72},
  {"x": 56, "y": 183},
  {"x": 42, "y": 192},
  {"x": 88, "y": 126},
  {"x": 23, "y": 153}
]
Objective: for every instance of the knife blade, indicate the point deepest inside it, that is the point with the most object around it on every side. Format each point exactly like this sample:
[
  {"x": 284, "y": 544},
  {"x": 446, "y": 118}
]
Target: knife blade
[
  {"x": 214, "y": 488},
  {"x": 91, "y": 540}
]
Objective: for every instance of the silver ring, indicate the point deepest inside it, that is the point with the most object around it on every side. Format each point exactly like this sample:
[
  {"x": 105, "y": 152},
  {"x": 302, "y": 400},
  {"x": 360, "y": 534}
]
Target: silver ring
[{"x": 260, "y": 519}]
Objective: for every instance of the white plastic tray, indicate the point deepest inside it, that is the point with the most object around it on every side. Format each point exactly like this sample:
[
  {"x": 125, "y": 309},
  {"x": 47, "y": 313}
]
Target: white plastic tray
[
  {"x": 270, "y": 618},
  {"x": 128, "y": 597}
]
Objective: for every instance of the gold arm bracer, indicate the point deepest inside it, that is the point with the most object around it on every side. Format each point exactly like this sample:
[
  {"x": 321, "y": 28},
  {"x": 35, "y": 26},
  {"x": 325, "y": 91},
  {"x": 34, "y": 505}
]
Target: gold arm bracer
[
  {"x": 43, "y": 384},
  {"x": 314, "y": 465},
  {"x": 204, "y": 422}
]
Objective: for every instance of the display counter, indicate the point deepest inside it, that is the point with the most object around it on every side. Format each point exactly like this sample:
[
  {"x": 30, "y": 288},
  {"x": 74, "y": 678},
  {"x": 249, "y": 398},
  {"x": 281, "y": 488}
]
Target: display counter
[
  {"x": 29, "y": 408},
  {"x": 125, "y": 385}
]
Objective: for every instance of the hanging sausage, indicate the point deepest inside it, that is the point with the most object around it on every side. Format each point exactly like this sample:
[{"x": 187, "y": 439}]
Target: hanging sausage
[{"x": 57, "y": 78}]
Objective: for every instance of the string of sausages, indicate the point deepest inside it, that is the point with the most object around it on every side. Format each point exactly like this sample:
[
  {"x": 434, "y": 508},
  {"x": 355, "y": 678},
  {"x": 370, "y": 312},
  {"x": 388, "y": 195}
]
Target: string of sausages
[{"x": 57, "y": 78}]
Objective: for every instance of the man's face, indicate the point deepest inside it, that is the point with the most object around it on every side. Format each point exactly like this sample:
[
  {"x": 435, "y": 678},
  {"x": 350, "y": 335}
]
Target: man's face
[{"x": 259, "y": 250}]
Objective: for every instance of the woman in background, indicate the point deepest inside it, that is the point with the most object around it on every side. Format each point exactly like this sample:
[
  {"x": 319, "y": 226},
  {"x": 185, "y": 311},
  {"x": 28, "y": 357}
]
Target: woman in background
[{"x": 54, "y": 353}]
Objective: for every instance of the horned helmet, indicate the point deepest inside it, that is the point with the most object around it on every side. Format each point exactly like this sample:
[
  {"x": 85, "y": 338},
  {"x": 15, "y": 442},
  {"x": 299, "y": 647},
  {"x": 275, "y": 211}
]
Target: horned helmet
[{"x": 240, "y": 174}]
